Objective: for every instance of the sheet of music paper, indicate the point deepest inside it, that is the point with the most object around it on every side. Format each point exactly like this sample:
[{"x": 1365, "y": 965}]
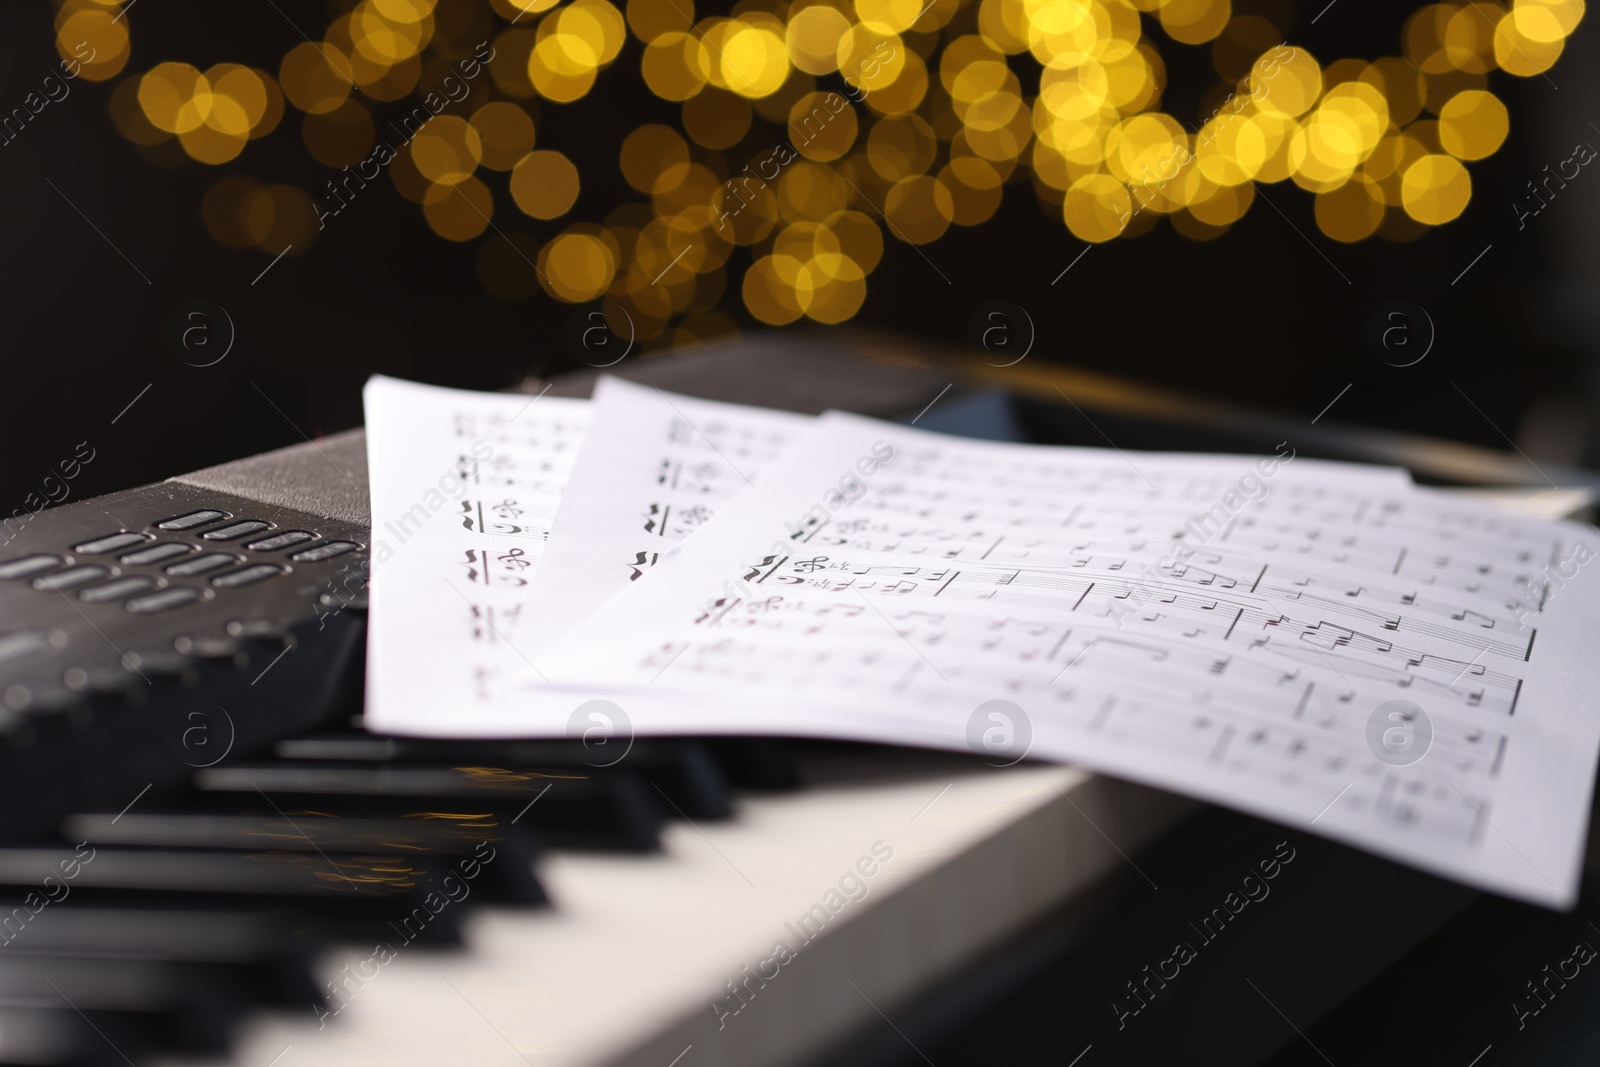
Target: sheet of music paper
[
  {"x": 1322, "y": 644},
  {"x": 1259, "y": 633},
  {"x": 464, "y": 488}
]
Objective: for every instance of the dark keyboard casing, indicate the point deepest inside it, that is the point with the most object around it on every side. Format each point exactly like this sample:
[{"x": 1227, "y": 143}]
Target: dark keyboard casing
[{"x": 106, "y": 688}]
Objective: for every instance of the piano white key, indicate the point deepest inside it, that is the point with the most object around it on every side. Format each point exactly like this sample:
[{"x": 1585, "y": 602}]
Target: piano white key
[{"x": 624, "y": 969}]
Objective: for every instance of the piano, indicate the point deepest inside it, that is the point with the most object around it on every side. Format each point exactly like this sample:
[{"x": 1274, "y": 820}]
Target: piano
[{"x": 207, "y": 860}]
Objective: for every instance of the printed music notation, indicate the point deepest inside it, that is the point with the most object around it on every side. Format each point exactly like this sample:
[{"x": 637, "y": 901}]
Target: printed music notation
[
  {"x": 654, "y": 469},
  {"x": 476, "y": 479},
  {"x": 1243, "y": 630},
  {"x": 498, "y": 567},
  {"x": 1150, "y": 619}
]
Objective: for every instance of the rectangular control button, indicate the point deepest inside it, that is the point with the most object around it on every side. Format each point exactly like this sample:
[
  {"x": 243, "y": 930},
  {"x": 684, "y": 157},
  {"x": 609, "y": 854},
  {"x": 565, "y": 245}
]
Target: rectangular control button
[
  {"x": 246, "y": 576},
  {"x": 202, "y": 564},
  {"x": 157, "y": 553},
  {"x": 280, "y": 540},
  {"x": 165, "y": 600},
  {"x": 28, "y": 566},
  {"x": 116, "y": 590},
  {"x": 21, "y": 643},
  {"x": 235, "y": 529},
  {"x": 326, "y": 550},
  {"x": 70, "y": 578},
  {"x": 112, "y": 543},
  {"x": 191, "y": 520}
]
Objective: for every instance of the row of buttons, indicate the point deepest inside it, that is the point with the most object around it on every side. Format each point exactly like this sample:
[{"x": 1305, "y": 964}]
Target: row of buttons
[
  {"x": 76, "y": 577},
  {"x": 118, "y": 541},
  {"x": 161, "y": 599},
  {"x": 22, "y": 644},
  {"x": 42, "y": 567},
  {"x": 19, "y": 644},
  {"x": 231, "y": 532},
  {"x": 213, "y": 559}
]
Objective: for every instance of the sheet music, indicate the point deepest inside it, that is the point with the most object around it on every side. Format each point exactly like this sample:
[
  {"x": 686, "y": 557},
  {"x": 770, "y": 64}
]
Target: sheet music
[
  {"x": 1195, "y": 623},
  {"x": 652, "y": 470},
  {"x": 465, "y": 486}
]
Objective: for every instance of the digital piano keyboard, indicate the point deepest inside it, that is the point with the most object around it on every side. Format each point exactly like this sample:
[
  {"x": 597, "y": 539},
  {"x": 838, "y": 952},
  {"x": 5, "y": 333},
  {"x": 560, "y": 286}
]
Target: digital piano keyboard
[
  {"x": 205, "y": 860},
  {"x": 420, "y": 902}
]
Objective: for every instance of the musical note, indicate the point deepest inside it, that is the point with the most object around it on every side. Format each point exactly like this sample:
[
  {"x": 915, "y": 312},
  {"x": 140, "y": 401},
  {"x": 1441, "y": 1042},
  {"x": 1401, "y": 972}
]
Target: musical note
[{"x": 642, "y": 561}]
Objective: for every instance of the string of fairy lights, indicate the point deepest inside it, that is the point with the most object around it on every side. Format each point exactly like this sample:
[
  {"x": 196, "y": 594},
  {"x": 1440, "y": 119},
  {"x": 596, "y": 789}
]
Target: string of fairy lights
[{"x": 812, "y": 131}]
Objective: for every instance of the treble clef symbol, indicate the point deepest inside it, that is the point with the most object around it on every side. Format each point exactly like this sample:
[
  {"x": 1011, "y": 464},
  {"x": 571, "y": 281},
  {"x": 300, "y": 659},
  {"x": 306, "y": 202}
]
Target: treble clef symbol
[{"x": 806, "y": 566}]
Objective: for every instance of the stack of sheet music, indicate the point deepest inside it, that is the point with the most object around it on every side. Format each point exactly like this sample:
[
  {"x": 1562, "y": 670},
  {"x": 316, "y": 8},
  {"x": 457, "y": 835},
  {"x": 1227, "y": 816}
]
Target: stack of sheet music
[{"x": 1323, "y": 644}]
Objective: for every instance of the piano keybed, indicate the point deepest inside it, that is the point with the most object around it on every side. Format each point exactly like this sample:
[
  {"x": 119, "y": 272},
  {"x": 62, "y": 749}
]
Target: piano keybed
[{"x": 359, "y": 899}]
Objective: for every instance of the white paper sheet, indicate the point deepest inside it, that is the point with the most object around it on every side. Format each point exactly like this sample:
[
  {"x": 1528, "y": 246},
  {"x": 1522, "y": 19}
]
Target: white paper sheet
[
  {"x": 464, "y": 488},
  {"x": 881, "y": 581},
  {"x": 653, "y": 469},
  {"x": 884, "y": 583}
]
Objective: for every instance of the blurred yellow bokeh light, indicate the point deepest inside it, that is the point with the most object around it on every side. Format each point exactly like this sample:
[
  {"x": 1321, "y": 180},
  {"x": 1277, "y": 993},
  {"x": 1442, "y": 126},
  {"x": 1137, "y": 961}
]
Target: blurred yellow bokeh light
[{"x": 810, "y": 133}]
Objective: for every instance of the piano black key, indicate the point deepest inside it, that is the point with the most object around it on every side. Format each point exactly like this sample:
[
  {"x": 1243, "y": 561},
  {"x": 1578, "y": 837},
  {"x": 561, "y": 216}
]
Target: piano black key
[
  {"x": 611, "y": 809},
  {"x": 355, "y": 896},
  {"x": 684, "y": 770},
  {"x": 509, "y": 879},
  {"x": 261, "y": 955},
  {"x": 186, "y": 1007},
  {"x": 30, "y": 1038},
  {"x": 762, "y": 763}
]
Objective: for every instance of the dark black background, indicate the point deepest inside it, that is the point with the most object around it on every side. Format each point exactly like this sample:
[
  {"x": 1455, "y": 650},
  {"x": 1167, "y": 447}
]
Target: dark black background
[{"x": 1259, "y": 315}]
